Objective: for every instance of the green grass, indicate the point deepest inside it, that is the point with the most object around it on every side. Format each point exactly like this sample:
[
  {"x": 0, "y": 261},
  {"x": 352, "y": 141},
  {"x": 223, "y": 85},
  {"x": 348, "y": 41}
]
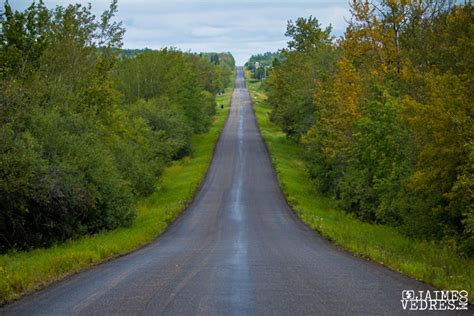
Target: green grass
[
  {"x": 21, "y": 272},
  {"x": 429, "y": 262}
]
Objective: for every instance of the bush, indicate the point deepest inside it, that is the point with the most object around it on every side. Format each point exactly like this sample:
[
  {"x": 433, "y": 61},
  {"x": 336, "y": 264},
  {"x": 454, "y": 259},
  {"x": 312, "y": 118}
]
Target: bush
[{"x": 73, "y": 157}]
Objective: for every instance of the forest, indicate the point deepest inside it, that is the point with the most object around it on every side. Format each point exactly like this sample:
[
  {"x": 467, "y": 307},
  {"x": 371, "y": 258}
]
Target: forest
[
  {"x": 384, "y": 114},
  {"x": 87, "y": 128}
]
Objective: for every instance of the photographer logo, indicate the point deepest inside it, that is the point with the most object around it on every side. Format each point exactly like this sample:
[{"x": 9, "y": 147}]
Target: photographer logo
[{"x": 434, "y": 300}]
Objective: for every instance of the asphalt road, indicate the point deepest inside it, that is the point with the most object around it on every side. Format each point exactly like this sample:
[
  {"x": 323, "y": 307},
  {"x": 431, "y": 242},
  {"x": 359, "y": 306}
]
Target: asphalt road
[{"x": 238, "y": 249}]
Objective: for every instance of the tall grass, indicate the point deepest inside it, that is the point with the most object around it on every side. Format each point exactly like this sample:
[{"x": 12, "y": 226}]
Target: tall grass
[
  {"x": 430, "y": 262},
  {"x": 21, "y": 272}
]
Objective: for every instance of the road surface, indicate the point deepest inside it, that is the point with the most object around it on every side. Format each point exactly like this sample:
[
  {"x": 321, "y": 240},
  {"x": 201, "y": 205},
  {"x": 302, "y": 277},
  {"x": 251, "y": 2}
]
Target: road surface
[{"x": 238, "y": 249}]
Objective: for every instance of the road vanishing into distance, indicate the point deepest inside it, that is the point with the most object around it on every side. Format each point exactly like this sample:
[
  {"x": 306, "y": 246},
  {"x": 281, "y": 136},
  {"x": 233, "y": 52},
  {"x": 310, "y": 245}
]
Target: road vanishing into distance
[{"x": 237, "y": 250}]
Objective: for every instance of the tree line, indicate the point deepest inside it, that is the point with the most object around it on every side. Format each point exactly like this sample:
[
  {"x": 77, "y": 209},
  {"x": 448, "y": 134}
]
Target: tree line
[
  {"x": 384, "y": 115},
  {"x": 86, "y": 130},
  {"x": 260, "y": 65}
]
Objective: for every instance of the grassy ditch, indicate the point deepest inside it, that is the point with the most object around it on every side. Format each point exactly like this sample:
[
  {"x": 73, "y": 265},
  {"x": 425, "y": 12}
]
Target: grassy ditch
[
  {"x": 429, "y": 262},
  {"x": 21, "y": 272}
]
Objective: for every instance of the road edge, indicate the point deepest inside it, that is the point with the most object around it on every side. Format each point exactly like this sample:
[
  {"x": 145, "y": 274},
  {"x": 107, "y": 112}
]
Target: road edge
[{"x": 185, "y": 206}]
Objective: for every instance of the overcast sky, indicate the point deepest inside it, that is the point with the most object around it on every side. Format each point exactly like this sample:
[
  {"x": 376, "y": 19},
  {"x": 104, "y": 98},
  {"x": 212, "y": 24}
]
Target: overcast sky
[{"x": 242, "y": 27}]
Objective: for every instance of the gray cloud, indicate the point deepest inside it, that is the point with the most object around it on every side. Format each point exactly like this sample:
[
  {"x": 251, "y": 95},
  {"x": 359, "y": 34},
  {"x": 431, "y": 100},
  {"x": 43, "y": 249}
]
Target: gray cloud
[{"x": 241, "y": 27}]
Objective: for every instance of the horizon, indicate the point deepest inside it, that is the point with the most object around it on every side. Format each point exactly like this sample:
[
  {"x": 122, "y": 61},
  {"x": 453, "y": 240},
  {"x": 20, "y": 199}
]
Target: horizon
[{"x": 242, "y": 28}]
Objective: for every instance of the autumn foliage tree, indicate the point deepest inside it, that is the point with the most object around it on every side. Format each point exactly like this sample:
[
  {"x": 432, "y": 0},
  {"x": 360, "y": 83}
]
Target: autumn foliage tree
[{"x": 390, "y": 129}]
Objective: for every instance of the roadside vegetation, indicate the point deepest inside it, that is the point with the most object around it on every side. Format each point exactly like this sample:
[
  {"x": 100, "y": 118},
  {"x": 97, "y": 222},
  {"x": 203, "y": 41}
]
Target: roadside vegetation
[
  {"x": 426, "y": 260},
  {"x": 384, "y": 115},
  {"x": 85, "y": 131},
  {"x": 99, "y": 150},
  {"x": 372, "y": 134},
  {"x": 22, "y": 271}
]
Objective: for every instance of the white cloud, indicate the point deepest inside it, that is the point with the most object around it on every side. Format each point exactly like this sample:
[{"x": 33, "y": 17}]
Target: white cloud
[
  {"x": 208, "y": 31},
  {"x": 242, "y": 27}
]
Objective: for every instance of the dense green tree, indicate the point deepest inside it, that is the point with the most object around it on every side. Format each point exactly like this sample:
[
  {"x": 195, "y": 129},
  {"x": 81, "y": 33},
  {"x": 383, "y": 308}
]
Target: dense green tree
[
  {"x": 307, "y": 35},
  {"x": 291, "y": 84},
  {"x": 165, "y": 73},
  {"x": 80, "y": 141}
]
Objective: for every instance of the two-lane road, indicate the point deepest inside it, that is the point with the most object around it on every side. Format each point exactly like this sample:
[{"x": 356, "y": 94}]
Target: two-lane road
[{"x": 238, "y": 249}]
